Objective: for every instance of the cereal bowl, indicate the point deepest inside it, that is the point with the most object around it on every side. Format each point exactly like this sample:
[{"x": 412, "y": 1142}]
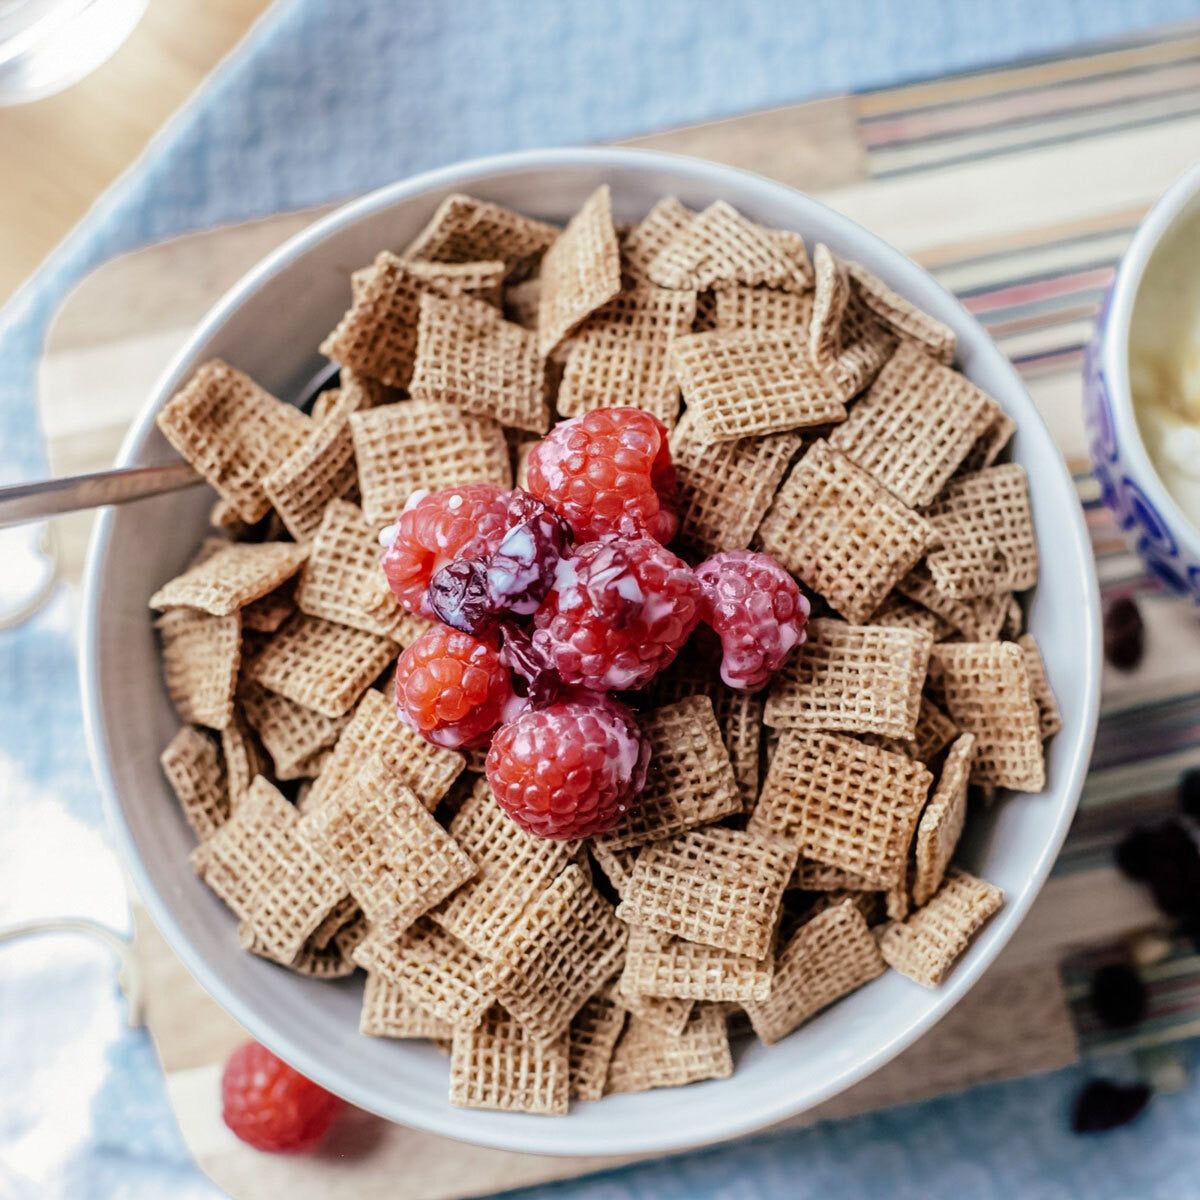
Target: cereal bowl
[{"x": 269, "y": 326}]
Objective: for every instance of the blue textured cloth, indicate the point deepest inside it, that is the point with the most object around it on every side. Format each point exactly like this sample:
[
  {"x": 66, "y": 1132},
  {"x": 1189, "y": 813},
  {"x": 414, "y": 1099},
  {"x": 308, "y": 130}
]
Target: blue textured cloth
[{"x": 325, "y": 99}]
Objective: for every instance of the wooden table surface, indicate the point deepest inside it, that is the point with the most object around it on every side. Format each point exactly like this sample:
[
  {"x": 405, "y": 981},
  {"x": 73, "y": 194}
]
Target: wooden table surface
[{"x": 60, "y": 153}]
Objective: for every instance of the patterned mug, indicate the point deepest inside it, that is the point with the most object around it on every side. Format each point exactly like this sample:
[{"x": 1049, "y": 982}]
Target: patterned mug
[{"x": 1163, "y": 536}]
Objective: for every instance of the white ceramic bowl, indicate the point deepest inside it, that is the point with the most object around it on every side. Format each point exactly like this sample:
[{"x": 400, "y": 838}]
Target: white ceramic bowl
[
  {"x": 1159, "y": 530},
  {"x": 269, "y": 326}
]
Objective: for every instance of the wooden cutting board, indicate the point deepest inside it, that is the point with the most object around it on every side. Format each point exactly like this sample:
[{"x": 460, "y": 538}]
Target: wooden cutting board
[{"x": 1019, "y": 188}]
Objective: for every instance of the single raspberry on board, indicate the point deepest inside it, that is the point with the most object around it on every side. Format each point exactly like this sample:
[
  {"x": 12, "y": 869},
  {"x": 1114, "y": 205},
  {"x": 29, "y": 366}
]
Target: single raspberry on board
[
  {"x": 272, "y": 1107},
  {"x": 571, "y": 770},
  {"x": 758, "y": 611},
  {"x": 618, "y": 613},
  {"x": 452, "y": 688},
  {"x": 608, "y": 471},
  {"x": 436, "y": 528}
]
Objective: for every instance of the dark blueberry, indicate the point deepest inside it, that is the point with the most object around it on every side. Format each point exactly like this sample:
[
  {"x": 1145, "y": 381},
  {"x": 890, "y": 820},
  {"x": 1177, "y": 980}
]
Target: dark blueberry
[
  {"x": 1118, "y": 996},
  {"x": 533, "y": 677},
  {"x": 458, "y": 596},
  {"x": 1166, "y": 859},
  {"x": 521, "y": 570},
  {"x": 1135, "y": 853},
  {"x": 1103, "y": 1105},
  {"x": 1124, "y": 634},
  {"x": 1189, "y": 793}
]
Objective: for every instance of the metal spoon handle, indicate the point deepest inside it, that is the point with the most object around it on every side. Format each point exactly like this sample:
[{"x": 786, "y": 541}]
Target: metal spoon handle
[{"x": 31, "y": 501}]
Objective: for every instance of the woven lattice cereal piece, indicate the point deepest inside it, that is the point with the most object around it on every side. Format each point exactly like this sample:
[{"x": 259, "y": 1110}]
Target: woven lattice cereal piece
[
  {"x": 811, "y": 876},
  {"x": 855, "y": 678},
  {"x": 645, "y": 1058},
  {"x": 498, "y": 1064},
  {"x": 201, "y": 656},
  {"x": 642, "y": 244},
  {"x": 978, "y": 619},
  {"x": 617, "y": 865},
  {"x": 828, "y": 957},
  {"x": 724, "y": 489},
  {"x": 845, "y": 536},
  {"x": 988, "y": 693},
  {"x": 928, "y": 944},
  {"x": 231, "y": 578},
  {"x": 831, "y": 296},
  {"x": 391, "y": 855},
  {"x": 1014, "y": 620},
  {"x": 482, "y": 280},
  {"x": 663, "y": 966},
  {"x": 325, "y": 962},
  {"x": 565, "y": 944},
  {"x": 521, "y": 303},
  {"x": 469, "y": 357},
  {"x": 320, "y": 469},
  {"x": 291, "y": 733},
  {"x": 935, "y": 731},
  {"x": 344, "y": 914},
  {"x": 791, "y": 245},
  {"x": 843, "y": 803},
  {"x": 194, "y": 768},
  {"x": 580, "y": 271},
  {"x": 941, "y": 823},
  {"x": 594, "y": 1033},
  {"x": 269, "y": 612},
  {"x": 900, "y": 612},
  {"x": 620, "y": 354},
  {"x": 375, "y": 732},
  {"x": 739, "y": 714},
  {"x": 867, "y": 344},
  {"x": 1048, "y": 712},
  {"x": 388, "y": 1012},
  {"x": 467, "y": 230},
  {"x": 437, "y": 972},
  {"x": 721, "y": 887},
  {"x": 748, "y": 382},
  {"x": 690, "y": 781},
  {"x": 258, "y": 865},
  {"x": 936, "y": 339},
  {"x": 915, "y": 425},
  {"x": 720, "y": 246},
  {"x": 243, "y": 757},
  {"x": 742, "y": 307},
  {"x": 666, "y": 1015},
  {"x": 986, "y": 529},
  {"x": 233, "y": 432},
  {"x": 990, "y": 444},
  {"x": 512, "y": 867},
  {"x": 415, "y": 444},
  {"x": 321, "y": 664},
  {"x": 342, "y": 580}
]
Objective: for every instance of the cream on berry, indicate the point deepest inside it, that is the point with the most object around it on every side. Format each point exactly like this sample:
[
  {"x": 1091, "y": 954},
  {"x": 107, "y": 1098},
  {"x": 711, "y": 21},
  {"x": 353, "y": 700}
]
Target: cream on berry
[{"x": 758, "y": 611}]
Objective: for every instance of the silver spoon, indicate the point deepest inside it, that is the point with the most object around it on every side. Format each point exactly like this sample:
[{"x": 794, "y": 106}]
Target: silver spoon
[{"x": 23, "y": 502}]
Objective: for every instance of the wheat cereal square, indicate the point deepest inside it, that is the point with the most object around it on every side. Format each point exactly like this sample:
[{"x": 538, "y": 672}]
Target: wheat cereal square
[
  {"x": 201, "y": 658},
  {"x": 979, "y": 619},
  {"x": 417, "y": 445},
  {"x": 233, "y": 432},
  {"x": 811, "y": 876},
  {"x": 291, "y": 733},
  {"x": 388, "y": 1012},
  {"x": 644, "y": 1058},
  {"x": 243, "y": 757},
  {"x": 941, "y": 823},
  {"x": 988, "y": 693},
  {"x": 1048, "y": 711},
  {"x": 831, "y": 295},
  {"x": 900, "y": 612},
  {"x": 843, "y": 803},
  {"x": 642, "y": 243},
  {"x": 915, "y": 425},
  {"x": 910, "y": 323},
  {"x": 990, "y": 445},
  {"x": 928, "y": 943},
  {"x": 852, "y": 678},
  {"x": 723, "y": 489},
  {"x": 669, "y": 1016},
  {"x": 867, "y": 344},
  {"x": 662, "y": 966},
  {"x": 321, "y": 664},
  {"x": 464, "y": 229},
  {"x": 690, "y": 781},
  {"x": 843, "y": 534},
  {"x": 830, "y": 955},
  {"x": 499, "y": 1065},
  {"x": 739, "y": 306},
  {"x": 195, "y": 770},
  {"x": 594, "y": 1033},
  {"x": 232, "y": 577},
  {"x": 720, "y": 887},
  {"x": 743, "y": 383}
]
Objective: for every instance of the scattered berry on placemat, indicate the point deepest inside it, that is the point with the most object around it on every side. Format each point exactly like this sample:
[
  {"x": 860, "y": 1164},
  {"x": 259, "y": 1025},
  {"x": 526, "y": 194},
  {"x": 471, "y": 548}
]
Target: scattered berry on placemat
[{"x": 1102, "y": 1105}]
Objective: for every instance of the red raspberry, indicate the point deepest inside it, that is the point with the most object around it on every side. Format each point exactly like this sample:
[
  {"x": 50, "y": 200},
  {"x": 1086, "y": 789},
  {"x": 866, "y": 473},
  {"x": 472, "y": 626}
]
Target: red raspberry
[
  {"x": 758, "y": 611},
  {"x": 571, "y": 770},
  {"x": 270, "y": 1106},
  {"x": 608, "y": 471},
  {"x": 618, "y": 613},
  {"x": 452, "y": 688},
  {"x": 434, "y": 529}
]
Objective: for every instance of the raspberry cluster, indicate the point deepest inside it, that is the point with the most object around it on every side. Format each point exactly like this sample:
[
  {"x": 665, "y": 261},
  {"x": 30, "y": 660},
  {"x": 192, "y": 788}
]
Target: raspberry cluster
[{"x": 551, "y": 598}]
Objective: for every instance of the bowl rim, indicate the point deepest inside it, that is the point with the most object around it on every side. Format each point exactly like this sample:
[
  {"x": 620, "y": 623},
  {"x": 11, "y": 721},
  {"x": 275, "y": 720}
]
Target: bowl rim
[
  {"x": 558, "y": 1137},
  {"x": 1122, "y": 302}
]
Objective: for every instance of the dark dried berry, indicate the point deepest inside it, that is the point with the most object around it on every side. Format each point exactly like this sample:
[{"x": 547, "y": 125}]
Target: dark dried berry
[
  {"x": 1103, "y": 1105},
  {"x": 1124, "y": 634},
  {"x": 1118, "y": 996},
  {"x": 1189, "y": 793},
  {"x": 1167, "y": 860},
  {"x": 458, "y": 596},
  {"x": 533, "y": 677},
  {"x": 612, "y": 586},
  {"x": 1135, "y": 853},
  {"x": 521, "y": 569}
]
